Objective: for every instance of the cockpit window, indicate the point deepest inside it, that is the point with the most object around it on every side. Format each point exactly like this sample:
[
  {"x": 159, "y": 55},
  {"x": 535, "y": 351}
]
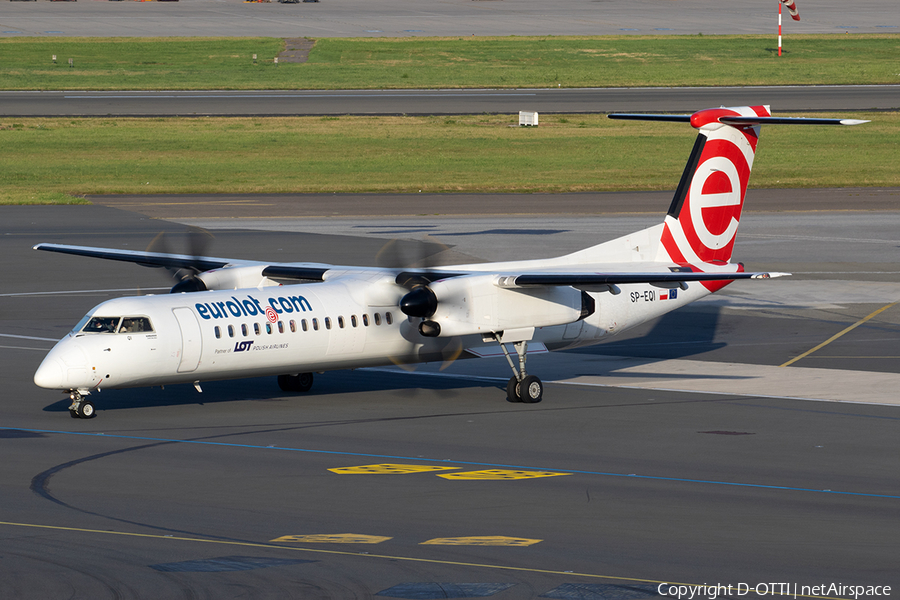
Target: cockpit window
[
  {"x": 102, "y": 325},
  {"x": 80, "y": 325},
  {"x": 135, "y": 325},
  {"x": 118, "y": 325}
]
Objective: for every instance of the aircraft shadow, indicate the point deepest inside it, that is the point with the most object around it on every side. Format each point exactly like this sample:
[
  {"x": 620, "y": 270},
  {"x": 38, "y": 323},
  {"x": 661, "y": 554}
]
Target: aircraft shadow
[
  {"x": 689, "y": 331},
  {"x": 265, "y": 389}
]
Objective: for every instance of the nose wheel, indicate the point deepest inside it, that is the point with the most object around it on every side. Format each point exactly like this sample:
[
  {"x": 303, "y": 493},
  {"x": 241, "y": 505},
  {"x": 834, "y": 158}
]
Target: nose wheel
[{"x": 81, "y": 407}]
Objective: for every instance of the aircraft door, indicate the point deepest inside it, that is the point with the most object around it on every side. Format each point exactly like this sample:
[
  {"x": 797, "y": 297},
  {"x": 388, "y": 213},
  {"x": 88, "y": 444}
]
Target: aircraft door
[{"x": 191, "y": 342}]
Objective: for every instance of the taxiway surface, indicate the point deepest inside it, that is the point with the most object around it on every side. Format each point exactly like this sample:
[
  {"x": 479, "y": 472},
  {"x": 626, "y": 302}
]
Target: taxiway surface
[
  {"x": 401, "y": 18},
  {"x": 443, "y": 102},
  {"x": 688, "y": 461}
]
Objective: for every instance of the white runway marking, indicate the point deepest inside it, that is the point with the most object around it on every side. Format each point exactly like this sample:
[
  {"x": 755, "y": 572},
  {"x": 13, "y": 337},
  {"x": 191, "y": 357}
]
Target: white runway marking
[
  {"x": 22, "y": 348},
  {"x": 28, "y": 337}
]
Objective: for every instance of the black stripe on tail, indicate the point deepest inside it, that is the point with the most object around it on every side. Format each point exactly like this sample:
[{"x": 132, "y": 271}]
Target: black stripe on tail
[{"x": 686, "y": 177}]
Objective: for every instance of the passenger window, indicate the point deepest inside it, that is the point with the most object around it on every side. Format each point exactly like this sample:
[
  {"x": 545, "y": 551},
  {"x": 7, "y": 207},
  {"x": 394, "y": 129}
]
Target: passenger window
[
  {"x": 388, "y": 318},
  {"x": 353, "y": 321},
  {"x": 231, "y": 331},
  {"x": 327, "y": 322},
  {"x": 102, "y": 325},
  {"x": 256, "y": 328},
  {"x": 244, "y": 329},
  {"x": 293, "y": 326},
  {"x": 378, "y": 318},
  {"x": 303, "y": 325},
  {"x": 365, "y": 320},
  {"x": 269, "y": 328},
  {"x": 135, "y": 325},
  {"x": 280, "y": 326},
  {"x": 315, "y": 324},
  {"x": 341, "y": 322},
  {"x": 218, "y": 332}
]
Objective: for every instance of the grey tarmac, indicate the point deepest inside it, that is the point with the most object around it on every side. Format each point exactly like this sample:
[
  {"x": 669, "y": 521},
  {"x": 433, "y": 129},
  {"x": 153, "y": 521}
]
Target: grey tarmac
[
  {"x": 442, "y": 102},
  {"x": 403, "y": 18},
  {"x": 670, "y": 454}
]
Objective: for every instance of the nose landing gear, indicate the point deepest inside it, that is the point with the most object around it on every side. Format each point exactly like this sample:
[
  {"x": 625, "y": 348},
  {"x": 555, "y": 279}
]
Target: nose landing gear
[{"x": 81, "y": 407}]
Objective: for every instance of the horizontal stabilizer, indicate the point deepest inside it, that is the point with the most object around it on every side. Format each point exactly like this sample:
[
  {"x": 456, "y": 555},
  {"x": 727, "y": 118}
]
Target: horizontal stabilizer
[
  {"x": 738, "y": 120},
  {"x": 650, "y": 117},
  {"x": 788, "y": 121}
]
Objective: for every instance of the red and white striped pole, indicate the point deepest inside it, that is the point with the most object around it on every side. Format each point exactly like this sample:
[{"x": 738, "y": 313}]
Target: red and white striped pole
[
  {"x": 779, "y": 27},
  {"x": 795, "y": 15}
]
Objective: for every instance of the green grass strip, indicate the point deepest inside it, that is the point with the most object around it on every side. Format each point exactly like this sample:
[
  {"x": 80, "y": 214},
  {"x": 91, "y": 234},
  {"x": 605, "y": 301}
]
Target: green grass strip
[
  {"x": 382, "y": 63},
  {"x": 51, "y": 159}
]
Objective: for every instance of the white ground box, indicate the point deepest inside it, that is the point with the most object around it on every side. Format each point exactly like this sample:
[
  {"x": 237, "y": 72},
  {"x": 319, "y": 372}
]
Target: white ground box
[{"x": 528, "y": 119}]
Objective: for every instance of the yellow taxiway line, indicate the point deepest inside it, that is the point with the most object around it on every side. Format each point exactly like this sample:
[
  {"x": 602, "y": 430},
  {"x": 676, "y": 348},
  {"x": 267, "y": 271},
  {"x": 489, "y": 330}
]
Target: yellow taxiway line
[
  {"x": 840, "y": 333},
  {"x": 361, "y": 555}
]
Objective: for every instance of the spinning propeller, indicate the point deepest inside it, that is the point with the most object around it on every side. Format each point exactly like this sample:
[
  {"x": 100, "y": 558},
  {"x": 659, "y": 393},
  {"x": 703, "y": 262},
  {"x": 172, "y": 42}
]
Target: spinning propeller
[
  {"x": 185, "y": 277},
  {"x": 416, "y": 262}
]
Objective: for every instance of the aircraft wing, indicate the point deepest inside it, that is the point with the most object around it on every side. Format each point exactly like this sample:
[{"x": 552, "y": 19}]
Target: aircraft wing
[
  {"x": 587, "y": 281},
  {"x": 147, "y": 259},
  {"x": 184, "y": 261},
  {"x": 606, "y": 281}
]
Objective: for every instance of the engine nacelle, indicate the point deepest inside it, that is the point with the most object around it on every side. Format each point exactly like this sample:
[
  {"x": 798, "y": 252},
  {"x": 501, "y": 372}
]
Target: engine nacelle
[
  {"x": 476, "y": 305},
  {"x": 233, "y": 278}
]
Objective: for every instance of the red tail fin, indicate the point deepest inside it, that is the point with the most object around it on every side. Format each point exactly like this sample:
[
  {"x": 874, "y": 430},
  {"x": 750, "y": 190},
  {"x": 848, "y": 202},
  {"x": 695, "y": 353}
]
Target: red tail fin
[{"x": 703, "y": 219}]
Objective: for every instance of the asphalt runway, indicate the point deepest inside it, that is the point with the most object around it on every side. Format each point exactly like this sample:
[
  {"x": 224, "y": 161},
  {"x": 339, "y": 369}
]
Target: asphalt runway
[
  {"x": 679, "y": 464},
  {"x": 401, "y": 18},
  {"x": 442, "y": 102}
]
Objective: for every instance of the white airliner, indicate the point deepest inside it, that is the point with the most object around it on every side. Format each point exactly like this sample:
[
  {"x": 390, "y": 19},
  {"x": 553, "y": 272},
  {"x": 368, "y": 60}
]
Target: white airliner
[{"x": 231, "y": 318}]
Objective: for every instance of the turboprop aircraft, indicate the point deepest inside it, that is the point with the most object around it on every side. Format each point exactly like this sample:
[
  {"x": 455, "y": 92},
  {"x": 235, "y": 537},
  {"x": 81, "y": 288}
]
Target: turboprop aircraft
[{"x": 230, "y": 318}]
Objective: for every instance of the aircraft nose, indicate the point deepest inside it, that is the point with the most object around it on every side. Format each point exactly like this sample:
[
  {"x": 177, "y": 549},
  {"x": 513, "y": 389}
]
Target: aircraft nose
[
  {"x": 65, "y": 367},
  {"x": 50, "y": 374}
]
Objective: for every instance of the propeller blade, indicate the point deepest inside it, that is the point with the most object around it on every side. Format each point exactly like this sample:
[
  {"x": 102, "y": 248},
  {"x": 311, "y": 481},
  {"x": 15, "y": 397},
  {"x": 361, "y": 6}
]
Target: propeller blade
[
  {"x": 411, "y": 254},
  {"x": 456, "y": 349},
  {"x": 185, "y": 278}
]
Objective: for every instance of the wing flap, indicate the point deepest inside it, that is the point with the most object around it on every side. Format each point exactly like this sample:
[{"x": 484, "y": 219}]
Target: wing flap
[{"x": 295, "y": 273}]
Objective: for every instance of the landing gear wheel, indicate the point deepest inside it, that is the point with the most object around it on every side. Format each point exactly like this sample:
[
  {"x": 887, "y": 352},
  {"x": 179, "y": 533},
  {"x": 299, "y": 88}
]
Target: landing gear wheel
[
  {"x": 512, "y": 390},
  {"x": 531, "y": 390},
  {"x": 73, "y": 413},
  {"x": 295, "y": 383},
  {"x": 86, "y": 410},
  {"x": 304, "y": 382}
]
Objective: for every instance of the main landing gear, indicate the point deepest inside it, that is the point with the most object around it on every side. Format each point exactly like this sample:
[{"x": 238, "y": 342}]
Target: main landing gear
[
  {"x": 522, "y": 387},
  {"x": 81, "y": 407},
  {"x": 295, "y": 383}
]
